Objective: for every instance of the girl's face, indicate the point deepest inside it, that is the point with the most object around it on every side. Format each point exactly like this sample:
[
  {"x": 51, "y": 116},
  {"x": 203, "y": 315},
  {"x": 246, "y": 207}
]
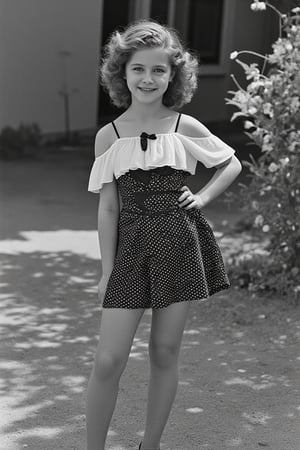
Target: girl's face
[{"x": 148, "y": 73}]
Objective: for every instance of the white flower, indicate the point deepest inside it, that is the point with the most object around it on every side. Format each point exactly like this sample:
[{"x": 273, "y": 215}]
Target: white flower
[
  {"x": 294, "y": 104},
  {"x": 258, "y": 6},
  {"x": 256, "y": 84},
  {"x": 252, "y": 110},
  {"x": 259, "y": 220},
  {"x": 268, "y": 110},
  {"x": 241, "y": 97},
  {"x": 292, "y": 146},
  {"x": 267, "y": 147},
  {"x": 296, "y": 10},
  {"x": 253, "y": 73},
  {"x": 273, "y": 167},
  {"x": 288, "y": 46},
  {"x": 284, "y": 161},
  {"x": 266, "y": 228},
  {"x": 278, "y": 50},
  {"x": 248, "y": 125},
  {"x": 234, "y": 55}
]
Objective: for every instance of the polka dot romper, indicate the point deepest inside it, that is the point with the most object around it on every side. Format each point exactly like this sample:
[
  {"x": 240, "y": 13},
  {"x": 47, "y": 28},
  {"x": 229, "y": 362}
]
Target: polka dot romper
[{"x": 165, "y": 254}]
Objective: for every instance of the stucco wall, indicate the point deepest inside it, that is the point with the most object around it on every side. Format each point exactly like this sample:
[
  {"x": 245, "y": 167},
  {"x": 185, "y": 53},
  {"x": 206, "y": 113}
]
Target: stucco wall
[
  {"x": 32, "y": 33},
  {"x": 244, "y": 29}
]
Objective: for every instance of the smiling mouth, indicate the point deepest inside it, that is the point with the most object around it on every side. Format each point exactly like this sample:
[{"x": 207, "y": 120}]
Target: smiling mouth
[{"x": 147, "y": 89}]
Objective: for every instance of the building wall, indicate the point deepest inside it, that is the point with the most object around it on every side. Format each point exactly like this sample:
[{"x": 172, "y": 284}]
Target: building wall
[
  {"x": 33, "y": 33},
  {"x": 243, "y": 30}
]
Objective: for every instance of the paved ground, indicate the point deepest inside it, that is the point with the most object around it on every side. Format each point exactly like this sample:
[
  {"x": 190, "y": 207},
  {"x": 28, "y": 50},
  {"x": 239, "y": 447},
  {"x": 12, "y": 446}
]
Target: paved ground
[{"x": 239, "y": 385}]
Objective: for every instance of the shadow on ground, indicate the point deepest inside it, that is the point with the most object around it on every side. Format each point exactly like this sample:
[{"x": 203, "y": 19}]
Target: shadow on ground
[
  {"x": 47, "y": 304},
  {"x": 239, "y": 385}
]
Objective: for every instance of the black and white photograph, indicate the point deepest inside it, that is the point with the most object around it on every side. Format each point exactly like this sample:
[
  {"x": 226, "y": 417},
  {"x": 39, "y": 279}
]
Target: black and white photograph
[{"x": 150, "y": 225}]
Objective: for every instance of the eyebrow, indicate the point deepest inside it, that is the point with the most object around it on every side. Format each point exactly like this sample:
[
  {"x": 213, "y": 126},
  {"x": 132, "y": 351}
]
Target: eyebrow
[{"x": 156, "y": 65}]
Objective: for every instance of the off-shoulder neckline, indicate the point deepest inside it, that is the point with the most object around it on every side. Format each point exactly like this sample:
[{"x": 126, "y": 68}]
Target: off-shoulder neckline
[
  {"x": 173, "y": 133},
  {"x": 163, "y": 134}
]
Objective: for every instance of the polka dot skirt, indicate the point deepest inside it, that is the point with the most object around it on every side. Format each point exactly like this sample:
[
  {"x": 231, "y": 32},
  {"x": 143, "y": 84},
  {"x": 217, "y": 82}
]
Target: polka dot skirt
[{"x": 165, "y": 254}]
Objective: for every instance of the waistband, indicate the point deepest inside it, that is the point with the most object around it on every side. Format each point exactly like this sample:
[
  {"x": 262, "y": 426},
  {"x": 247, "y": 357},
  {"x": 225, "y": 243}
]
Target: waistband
[{"x": 145, "y": 203}]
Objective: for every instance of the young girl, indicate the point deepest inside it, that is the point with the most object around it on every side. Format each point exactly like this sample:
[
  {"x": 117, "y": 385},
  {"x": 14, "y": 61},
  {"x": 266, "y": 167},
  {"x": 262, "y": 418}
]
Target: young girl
[{"x": 157, "y": 249}]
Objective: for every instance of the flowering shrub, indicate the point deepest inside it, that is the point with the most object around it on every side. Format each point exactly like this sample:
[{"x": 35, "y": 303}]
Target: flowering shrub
[{"x": 270, "y": 107}]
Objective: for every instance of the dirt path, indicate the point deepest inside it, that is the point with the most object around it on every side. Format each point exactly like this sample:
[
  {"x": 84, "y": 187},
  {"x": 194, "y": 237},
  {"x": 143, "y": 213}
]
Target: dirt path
[{"x": 239, "y": 385}]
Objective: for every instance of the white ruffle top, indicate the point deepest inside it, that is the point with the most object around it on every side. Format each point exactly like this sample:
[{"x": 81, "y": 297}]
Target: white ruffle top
[{"x": 169, "y": 149}]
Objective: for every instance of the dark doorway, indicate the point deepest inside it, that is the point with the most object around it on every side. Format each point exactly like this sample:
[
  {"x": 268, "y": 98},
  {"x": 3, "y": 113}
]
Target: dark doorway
[
  {"x": 115, "y": 15},
  {"x": 159, "y": 11}
]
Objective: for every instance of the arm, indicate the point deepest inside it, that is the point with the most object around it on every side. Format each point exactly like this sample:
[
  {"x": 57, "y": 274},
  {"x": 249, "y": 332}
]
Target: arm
[
  {"x": 108, "y": 216},
  {"x": 219, "y": 182},
  {"x": 222, "y": 178},
  {"x": 109, "y": 206}
]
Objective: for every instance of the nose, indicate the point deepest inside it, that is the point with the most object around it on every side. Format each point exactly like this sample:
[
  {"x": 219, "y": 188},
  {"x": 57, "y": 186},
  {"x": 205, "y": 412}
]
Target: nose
[{"x": 147, "y": 77}]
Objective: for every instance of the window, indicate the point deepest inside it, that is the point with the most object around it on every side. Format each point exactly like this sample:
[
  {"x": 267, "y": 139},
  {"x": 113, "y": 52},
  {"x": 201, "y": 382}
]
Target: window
[
  {"x": 204, "y": 29},
  {"x": 199, "y": 22}
]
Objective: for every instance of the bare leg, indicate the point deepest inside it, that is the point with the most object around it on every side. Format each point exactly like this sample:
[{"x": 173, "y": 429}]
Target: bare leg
[
  {"x": 165, "y": 340},
  {"x": 117, "y": 330}
]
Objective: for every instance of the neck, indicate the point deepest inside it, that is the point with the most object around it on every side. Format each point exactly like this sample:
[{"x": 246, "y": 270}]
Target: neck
[{"x": 146, "y": 112}]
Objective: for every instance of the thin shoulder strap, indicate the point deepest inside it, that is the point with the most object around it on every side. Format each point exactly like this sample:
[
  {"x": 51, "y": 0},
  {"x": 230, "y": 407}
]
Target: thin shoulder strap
[
  {"x": 177, "y": 123},
  {"x": 115, "y": 128}
]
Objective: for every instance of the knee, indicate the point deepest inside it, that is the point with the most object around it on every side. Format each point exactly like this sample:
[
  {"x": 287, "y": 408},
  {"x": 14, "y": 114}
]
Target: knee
[
  {"x": 163, "y": 356},
  {"x": 107, "y": 366}
]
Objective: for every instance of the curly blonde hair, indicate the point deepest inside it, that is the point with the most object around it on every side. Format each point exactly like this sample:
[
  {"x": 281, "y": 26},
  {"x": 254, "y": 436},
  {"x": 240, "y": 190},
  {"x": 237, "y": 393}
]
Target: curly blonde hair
[{"x": 148, "y": 34}]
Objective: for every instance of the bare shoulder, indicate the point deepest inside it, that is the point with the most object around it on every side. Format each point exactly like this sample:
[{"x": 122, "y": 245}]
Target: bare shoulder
[
  {"x": 104, "y": 139},
  {"x": 191, "y": 127}
]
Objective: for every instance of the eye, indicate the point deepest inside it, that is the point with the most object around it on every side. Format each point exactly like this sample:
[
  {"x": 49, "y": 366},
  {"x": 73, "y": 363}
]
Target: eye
[
  {"x": 159, "y": 70},
  {"x": 137, "y": 69}
]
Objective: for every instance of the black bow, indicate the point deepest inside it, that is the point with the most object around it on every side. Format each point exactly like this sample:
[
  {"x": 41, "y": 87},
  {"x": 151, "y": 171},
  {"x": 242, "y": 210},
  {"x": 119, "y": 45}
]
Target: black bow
[{"x": 144, "y": 136}]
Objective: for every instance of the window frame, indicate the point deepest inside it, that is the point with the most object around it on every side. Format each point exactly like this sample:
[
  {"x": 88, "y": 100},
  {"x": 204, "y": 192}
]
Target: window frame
[{"x": 142, "y": 8}]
